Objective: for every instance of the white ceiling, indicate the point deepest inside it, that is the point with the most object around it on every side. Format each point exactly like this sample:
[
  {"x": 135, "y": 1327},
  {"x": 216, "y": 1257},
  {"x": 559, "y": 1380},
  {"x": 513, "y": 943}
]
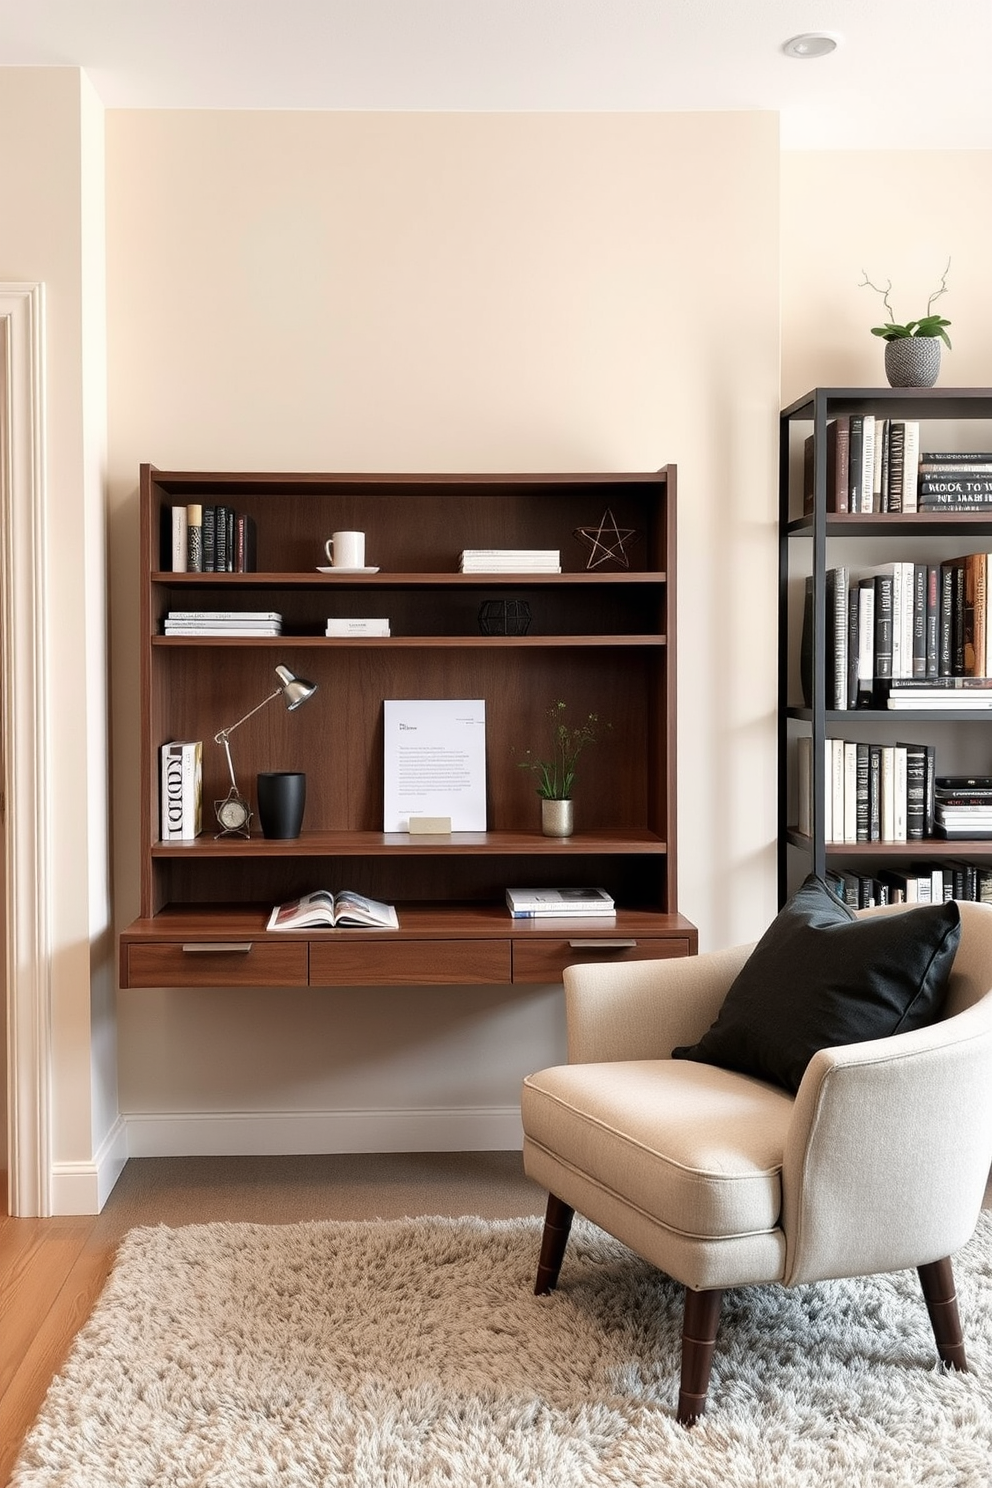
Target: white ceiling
[{"x": 907, "y": 73}]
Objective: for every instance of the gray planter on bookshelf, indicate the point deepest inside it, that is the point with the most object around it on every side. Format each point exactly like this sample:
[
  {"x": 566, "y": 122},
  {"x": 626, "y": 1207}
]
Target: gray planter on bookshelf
[
  {"x": 556, "y": 818},
  {"x": 912, "y": 361}
]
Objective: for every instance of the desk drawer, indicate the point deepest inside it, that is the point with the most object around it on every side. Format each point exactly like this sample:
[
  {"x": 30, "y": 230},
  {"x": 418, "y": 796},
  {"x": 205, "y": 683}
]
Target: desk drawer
[
  {"x": 370, "y": 963},
  {"x": 234, "y": 963},
  {"x": 545, "y": 960}
]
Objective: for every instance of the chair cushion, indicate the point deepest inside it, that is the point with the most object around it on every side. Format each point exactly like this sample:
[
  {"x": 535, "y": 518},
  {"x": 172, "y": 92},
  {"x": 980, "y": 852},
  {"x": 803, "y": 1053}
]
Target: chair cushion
[
  {"x": 821, "y": 976},
  {"x": 699, "y": 1150}
]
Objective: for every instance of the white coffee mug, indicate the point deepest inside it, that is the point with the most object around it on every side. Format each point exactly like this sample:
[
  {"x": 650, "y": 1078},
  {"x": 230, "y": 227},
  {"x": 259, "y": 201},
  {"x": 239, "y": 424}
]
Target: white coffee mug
[{"x": 346, "y": 550}]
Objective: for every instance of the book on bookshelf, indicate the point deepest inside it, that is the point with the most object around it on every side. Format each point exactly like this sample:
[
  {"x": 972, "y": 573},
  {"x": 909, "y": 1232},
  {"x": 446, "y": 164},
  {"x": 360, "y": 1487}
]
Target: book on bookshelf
[
  {"x": 180, "y": 526},
  {"x": 181, "y": 789},
  {"x": 938, "y": 458},
  {"x": 323, "y": 910},
  {"x": 571, "y": 903},
  {"x": 194, "y": 537}
]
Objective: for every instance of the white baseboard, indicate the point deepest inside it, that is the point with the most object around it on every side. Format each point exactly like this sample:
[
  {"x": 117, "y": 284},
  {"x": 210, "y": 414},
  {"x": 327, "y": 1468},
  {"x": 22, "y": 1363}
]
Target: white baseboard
[
  {"x": 84, "y": 1187},
  {"x": 285, "y": 1133}
]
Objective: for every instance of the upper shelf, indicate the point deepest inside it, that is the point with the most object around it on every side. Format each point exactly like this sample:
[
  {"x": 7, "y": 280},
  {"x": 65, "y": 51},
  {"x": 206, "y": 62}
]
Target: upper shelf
[
  {"x": 403, "y": 580},
  {"x": 922, "y": 403}
]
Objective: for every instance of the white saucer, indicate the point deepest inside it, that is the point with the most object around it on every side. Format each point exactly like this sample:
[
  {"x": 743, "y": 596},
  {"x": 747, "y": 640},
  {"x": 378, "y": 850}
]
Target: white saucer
[{"x": 343, "y": 570}]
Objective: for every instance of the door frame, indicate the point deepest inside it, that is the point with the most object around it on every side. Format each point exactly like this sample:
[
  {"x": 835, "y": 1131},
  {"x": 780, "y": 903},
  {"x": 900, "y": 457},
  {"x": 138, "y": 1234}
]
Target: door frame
[{"x": 26, "y": 756}]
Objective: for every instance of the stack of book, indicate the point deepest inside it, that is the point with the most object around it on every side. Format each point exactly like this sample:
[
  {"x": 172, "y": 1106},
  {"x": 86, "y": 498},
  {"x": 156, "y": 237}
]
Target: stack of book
[
  {"x": 222, "y": 623},
  {"x": 963, "y": 806},
  {"x": 359, "y": 626},
  {"x": 536, "y": 904},
  {"x": 510, "y": 560},
  {"x": 952, "y": 481}
]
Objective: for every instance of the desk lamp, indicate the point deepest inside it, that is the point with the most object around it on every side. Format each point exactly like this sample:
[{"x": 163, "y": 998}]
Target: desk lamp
[{"x": 233, "y": 812}]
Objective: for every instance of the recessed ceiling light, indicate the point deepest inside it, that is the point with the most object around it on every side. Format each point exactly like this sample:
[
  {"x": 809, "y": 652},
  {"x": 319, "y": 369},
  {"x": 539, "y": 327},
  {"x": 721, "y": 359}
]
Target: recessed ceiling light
[{"x": 810, "y": 44}]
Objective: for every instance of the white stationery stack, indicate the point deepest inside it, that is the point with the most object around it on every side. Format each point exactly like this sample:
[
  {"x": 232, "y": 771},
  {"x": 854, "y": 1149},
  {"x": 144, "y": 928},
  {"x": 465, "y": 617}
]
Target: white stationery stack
[
  {"x": 359, "y": 626},
  {"x": 573, "y": 904},
  {"x": 222, "y": 623},
  {"x": 510, "y": 560}
]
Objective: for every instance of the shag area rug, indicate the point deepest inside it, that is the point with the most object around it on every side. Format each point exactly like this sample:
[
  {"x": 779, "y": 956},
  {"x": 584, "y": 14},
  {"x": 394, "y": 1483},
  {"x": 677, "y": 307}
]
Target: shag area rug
[{"x": 413, "y": 1352}]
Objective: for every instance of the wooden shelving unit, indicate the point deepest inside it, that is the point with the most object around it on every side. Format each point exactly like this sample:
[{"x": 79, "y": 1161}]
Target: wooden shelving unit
[{"x": 601, "y": 640}]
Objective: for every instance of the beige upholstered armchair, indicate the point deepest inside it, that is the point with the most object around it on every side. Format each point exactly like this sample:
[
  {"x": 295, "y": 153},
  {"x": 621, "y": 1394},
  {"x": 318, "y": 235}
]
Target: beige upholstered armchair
[{"x": 878, "y": 1162}]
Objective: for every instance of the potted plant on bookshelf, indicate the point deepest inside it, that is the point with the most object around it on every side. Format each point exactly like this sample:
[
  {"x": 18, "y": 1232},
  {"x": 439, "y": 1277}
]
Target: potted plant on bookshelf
[
  {"x": 912, "y": 348},
  {"x": 556, "y": 772}
]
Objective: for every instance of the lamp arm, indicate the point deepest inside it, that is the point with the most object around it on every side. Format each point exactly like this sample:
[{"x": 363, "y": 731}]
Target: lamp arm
[{"x": 224, "y": 734}]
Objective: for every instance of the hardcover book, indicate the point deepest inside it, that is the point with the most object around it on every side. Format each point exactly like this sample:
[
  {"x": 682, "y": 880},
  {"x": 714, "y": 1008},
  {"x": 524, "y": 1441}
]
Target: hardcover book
[
  {"x": 181, "y": 766},
  {"x": 554, "y": 903}
]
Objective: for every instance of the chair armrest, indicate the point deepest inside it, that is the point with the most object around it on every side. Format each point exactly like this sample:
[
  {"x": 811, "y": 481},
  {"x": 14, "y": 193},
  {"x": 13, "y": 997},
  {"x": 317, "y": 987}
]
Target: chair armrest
[
  {"x": 643, "y": 1009},
  {"x": 889, "y": 1149}
]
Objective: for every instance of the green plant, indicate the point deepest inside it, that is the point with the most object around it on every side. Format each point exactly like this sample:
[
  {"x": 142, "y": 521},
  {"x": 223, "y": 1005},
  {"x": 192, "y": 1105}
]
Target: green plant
[
  {"x": 928, "y": 325},
  {"x": 556, "y": 773}
]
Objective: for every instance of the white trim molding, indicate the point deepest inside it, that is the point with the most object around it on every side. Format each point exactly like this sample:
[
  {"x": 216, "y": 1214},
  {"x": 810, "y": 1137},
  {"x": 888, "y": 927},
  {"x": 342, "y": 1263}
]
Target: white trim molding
[
  {"x": 26, "y": 759},
  {"x": 281, "y": 1133}
]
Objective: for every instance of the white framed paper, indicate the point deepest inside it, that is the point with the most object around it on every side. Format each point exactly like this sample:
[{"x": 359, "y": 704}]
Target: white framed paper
[{"x": 434, "y": 762}]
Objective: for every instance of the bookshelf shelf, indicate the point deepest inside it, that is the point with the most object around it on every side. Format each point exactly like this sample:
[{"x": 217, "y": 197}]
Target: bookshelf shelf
[
  {"x": 816, "y": 541},
  {"x": 603, "y": 641}
]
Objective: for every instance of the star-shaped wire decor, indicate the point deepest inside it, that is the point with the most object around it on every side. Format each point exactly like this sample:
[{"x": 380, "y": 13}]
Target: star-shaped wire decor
[{"x": 607, "y": 541}]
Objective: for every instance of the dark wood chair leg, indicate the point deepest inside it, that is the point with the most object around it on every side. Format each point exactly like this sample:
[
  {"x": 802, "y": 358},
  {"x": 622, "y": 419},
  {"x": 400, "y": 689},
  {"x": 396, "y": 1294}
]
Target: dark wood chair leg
[
  {"x": 699, "y": 1325},
  {"x": 557, "y": 1223},
  {"x": 937, "y": 1281}
]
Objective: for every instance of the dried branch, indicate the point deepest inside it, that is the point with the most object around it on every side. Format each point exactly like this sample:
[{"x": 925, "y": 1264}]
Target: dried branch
[{"x": 867, "y": 284}]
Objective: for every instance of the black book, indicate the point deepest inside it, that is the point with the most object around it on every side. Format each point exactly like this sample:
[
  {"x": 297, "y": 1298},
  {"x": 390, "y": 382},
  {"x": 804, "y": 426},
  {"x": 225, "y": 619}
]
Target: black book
[
  {"x": 853, "y": 651},
  {"x": 805, "y": 646},
  {"x": 919, "y": 620},
  {"x": 956, "y": 457},
  {"x": 862, "y": 788},
  {"x": 932, "y": 666},
  {"x": 209, "y": 539},
  {"x": 945, "y": 645},
  {"x": 916, "y": 787},
  {"x": 245, "y": 545},
  {"x": 854, "y": 462},
  {"x": 220, "y": 539},
  {"x": 883, "y": 627},
  {"x": 874, "y": 792}
]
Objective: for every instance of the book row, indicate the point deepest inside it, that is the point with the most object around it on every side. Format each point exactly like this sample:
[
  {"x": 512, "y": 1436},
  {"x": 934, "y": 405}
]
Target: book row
[
  {"x": 208, "y": 539},
  {"x": 892, "y": 629},
  {"x": 917, "y": 883},
  {"x": 875, "y": 465},
  {"x": 889, "y": 793}
]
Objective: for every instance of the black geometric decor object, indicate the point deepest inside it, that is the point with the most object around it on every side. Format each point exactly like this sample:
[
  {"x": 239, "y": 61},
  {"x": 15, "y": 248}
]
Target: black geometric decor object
[{"x": 508, "y": 617}]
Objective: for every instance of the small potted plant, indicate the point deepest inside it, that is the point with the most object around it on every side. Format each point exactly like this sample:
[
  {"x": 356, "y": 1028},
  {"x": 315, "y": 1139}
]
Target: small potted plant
[
  {"x": 912, "y": 348},
  {"x": 556, "y": 772}
]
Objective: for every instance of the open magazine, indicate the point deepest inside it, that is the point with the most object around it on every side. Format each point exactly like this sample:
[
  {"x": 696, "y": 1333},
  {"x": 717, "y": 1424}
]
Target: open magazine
[{"x": 323, "y": 910}]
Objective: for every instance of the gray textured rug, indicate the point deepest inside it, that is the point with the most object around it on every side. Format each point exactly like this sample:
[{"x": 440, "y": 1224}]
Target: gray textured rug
[{"x": 413, "y": 1352}]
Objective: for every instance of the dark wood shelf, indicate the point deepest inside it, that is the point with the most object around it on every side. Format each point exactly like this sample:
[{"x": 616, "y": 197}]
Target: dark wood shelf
[{"x": 601, "y": 640}]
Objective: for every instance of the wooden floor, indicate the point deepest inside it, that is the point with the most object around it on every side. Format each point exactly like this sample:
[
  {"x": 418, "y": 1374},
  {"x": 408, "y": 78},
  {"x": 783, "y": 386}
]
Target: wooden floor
[{"x": 52, "y": 1270}]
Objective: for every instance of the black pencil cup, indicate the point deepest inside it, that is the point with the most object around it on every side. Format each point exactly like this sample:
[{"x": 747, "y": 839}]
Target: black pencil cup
[{"x": 282, "y": 796}]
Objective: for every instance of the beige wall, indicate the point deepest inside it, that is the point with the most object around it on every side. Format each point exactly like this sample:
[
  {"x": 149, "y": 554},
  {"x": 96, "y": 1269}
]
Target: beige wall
[
  {"x": 335, "y": 291},
  {"x": 450, "y": 292},
  {"x": 51, "y": 230},
  {"x": 892, "y": 215}
]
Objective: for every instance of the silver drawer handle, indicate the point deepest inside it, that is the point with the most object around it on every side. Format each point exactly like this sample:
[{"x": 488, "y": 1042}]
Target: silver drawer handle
[
  {"x": 602, "y": 945},
  {"x": 239, "y": 947}
]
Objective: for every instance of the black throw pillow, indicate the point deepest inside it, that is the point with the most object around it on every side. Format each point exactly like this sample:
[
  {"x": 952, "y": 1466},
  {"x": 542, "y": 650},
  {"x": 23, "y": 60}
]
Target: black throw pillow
[{"x": 819, "y": 976}]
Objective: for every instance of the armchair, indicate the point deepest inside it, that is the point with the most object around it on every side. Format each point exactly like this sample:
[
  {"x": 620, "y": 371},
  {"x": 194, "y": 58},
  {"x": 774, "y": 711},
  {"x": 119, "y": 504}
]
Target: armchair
[{"x": 877, "y": 1163}]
